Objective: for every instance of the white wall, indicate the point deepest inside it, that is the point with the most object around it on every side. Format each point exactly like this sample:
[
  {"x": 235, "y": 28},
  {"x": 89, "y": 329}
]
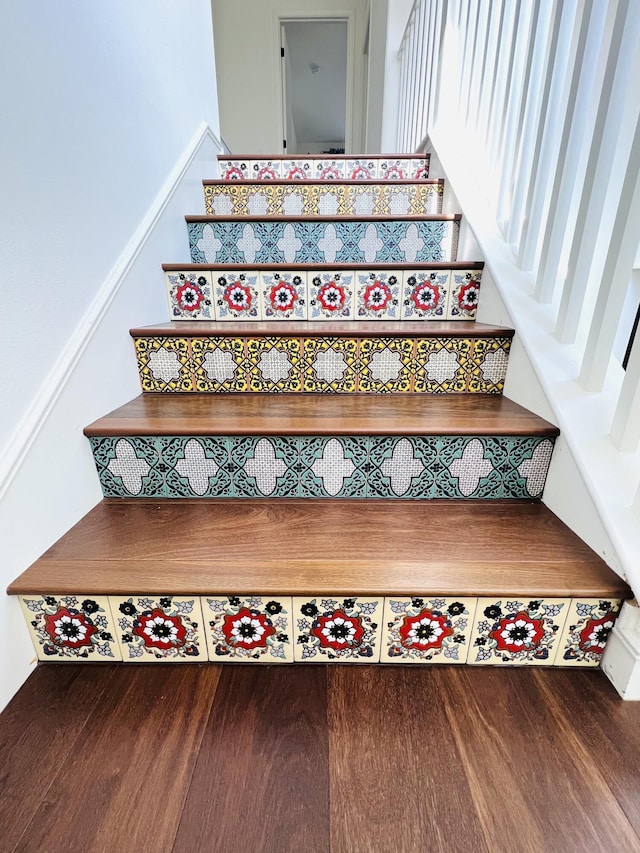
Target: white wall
[
  {"x": 100, "y": 115},
  {"x": 397, "y": 16},
  {"x": 248, "y": 62}
]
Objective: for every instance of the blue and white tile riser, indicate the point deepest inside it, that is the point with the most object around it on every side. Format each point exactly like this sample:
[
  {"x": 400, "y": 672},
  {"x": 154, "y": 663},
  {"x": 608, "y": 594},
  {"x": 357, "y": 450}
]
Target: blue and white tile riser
[
  {"x": 415, "y": 467},
  {"x": 227, "y": 241}
]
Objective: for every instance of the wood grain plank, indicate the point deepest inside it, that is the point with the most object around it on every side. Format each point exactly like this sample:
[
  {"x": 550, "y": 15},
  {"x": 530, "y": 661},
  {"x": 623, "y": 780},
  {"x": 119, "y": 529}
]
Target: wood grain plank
[
  {"x": 423, "y": 217},
  {"x": 528, "y": 780},
  {"x": 337, "y": 157},
  {"x": 124, "y": 786},
  {"x": 397, "y": 780},
  {"x": 590, "y": 711},
  {"x": 341, "y": 182},
  {"x": 261, "y": 781},
  {"x": 320, "y": 414},
  {"x": 357, "y": 265},
  {"x": 508, "y": 547},
  {"x": 347, "y": 329},
  {"x": 38, "y": 731}
]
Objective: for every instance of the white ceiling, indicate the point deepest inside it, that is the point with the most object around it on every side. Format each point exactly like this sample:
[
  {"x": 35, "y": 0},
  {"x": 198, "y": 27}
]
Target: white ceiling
[{"x": 318, "y": 100}]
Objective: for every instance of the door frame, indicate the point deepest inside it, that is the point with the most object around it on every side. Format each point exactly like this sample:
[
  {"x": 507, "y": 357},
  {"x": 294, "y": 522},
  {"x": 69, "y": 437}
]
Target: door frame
[{"x": 351, "y": 126}]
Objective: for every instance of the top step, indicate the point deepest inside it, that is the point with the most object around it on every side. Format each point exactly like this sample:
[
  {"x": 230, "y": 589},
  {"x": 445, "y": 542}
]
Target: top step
[{"x": 324, "y": 167}]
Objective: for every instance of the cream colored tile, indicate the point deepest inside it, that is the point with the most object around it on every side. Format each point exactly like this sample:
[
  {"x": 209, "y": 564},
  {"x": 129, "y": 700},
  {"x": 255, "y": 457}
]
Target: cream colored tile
[
  {"x": 283, "y": 295},
  {"x": 586, "y": 631},
  {"x": 248, "y": 629},
  {"x": 521, "y": 632},
  {"x": 190, "y": 295},
  {"x": 337, "y": 630},
  {"x": 423, "y": 629},
  {"x": 71, "y": 627},
  {"x": 159, "y": 628}
]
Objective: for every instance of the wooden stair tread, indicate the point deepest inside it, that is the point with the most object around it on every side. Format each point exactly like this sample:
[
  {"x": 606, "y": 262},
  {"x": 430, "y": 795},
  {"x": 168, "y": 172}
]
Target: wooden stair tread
[
  {"x": 311, "y": 329},
  {"x": 422, "y": 217},
  {"x": 421, "y": 182},
  {"x": 321, "y": 267},
  {"x": 299, "y": 547},
  {"x": 320, "y": 414},
  {"x": 338, "y": 157}
]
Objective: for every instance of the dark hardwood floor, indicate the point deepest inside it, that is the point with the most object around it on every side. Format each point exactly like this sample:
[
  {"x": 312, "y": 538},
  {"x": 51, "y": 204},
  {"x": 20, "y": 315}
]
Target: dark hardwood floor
[{"x": 346, "y": 759}]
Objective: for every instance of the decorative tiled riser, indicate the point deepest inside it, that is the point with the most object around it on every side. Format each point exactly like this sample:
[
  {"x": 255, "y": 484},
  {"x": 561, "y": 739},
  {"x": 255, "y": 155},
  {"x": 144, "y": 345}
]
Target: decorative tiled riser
[
  {"x": 300, "y": 169},
  {"x": 322, "y": 466},
  {"x": 335, "y": 295},
  {"x": 316, "y": 242},
  {"x": 339, "y": 365},
  {"x": 319, "y": 629},
  {"x": 322, "y": 200}
]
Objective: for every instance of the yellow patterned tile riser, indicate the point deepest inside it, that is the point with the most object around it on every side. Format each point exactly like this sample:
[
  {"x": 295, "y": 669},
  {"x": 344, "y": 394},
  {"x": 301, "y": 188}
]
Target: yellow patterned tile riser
[
  {"x": 313, "y": 199},
  {"x": 331, "y": 364}
]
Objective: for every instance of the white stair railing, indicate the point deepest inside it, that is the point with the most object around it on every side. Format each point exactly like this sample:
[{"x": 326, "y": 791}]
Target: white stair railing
[{"x": 533, "y": 109}]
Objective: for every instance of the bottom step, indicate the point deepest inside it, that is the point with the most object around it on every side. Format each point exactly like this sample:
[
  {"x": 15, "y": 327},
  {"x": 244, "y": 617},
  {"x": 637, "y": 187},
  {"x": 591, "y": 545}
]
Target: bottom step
[{"x": 316, "y": 581}]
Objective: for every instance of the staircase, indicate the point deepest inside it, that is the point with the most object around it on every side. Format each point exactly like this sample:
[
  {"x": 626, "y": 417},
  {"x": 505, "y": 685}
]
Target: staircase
[{"x": 322, "y": 465}]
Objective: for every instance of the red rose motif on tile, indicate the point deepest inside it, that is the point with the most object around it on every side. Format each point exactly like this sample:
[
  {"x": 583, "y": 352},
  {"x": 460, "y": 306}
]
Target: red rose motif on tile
[
  {"x": 267, "y": 174},
  {"x": 329, "y": 174},
  {"x": 248, "y": 629},
  {"x": 421, "y": 173},
  {"x": 282, "y": 296},
  {"x": 338, "y": 631},
  {"x": 237, "y": 296},
  {"x": 295, "y": 174},
  {"x": 233, "y": 174},
  {"x": 69, "y": 628},
  {"x": 594, "y": 635},
  {"x": 160, "y": 631},
  {"x": 426, "y": 296},
  {"x": 360, "y": 174},
  {"x": 468, "y": 296},
  {"x": 424, "y": 631},
  {"x": 376, "y": 296},
  {"x": 393, "y": 174},
  {"x": 189, "y": 296},
  {"x": 518, "y": 633},
  {"x": 331, "y": 296}
]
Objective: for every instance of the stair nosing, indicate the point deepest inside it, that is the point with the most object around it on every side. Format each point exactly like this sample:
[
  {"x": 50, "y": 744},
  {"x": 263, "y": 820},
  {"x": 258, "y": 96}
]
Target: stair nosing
[
  {"x": 216, "y": 182},
  {"x": 356, "y": 265},
  {"x": 426, "y": 217}
]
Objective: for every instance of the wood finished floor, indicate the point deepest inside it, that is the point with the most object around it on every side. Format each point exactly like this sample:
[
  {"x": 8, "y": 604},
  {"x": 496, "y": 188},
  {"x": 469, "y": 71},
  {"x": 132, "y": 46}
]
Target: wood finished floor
[{"x": 345, "y": 759}]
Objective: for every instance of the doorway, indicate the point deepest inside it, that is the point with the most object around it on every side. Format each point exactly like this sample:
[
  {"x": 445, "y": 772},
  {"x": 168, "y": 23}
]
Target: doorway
[{"x": 314, "y": 85}]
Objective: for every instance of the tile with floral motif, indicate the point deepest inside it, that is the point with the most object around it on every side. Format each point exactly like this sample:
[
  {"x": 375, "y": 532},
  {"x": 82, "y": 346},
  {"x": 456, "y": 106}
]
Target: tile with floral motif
[
  {"x": 586, "y": 631},
  {"x": 236, "y": 295},
  {"x": 418, "y": 168},
  {"x": 421, "y": 629},
  {"x": 219, "y": 364},
  {"x": 443, "y": 365},
  {"x": 71, "y": 627},
  {"x": 166, "y": 628},
  {"x": 329, "y": 169},
  {"x": 517, "y": 632},
  {"x": 297, "y": 170},
  {"x": 377, "y": 296},
  {"x": 360, "y": 170},
  {"x": 283, "y": 295},
  {"x": 425, "y": 294},
  {"x": 330, "y": 364},
  {"x": 366, "y": 200},
  {"x": 164, "y": 364},
  {"x": 295, "y": 200},
  {"x": 331, "y": 295},
  {"x": 273, "y": 364},
  {"x": 248, "y": 629},
  {"x": 190, "y": 295},
  {"x": 328, "y": 200},
  {"x": 393, "y": 169},
  {"x": 340, "y": 630},
  {"x": 266, "y": 170},
  {"x": 234, "y": 169},
  {"x": 490, "y": 360},
  {"x": 465, "y": 293},
  {"x": 386, "y": 364}
]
